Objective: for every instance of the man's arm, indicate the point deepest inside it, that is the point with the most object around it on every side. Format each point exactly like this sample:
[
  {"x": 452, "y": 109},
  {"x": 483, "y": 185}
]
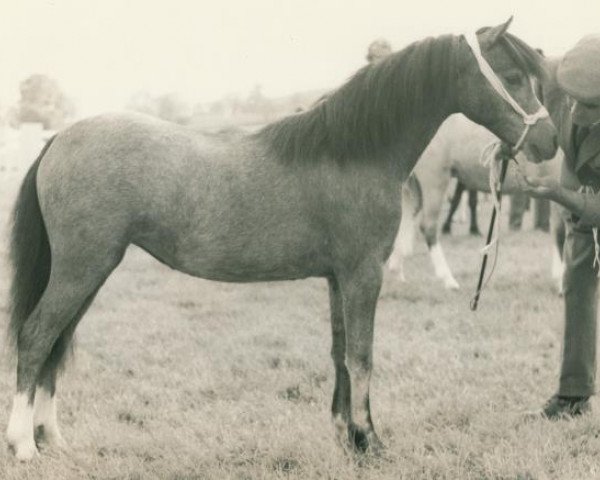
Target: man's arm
[{"x": 564, "y": 192}]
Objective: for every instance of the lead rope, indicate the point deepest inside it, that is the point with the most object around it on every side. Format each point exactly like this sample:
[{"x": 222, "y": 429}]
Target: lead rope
[
  {"x": 490, "y": 155},
  {"x": 596, "y": 251}
]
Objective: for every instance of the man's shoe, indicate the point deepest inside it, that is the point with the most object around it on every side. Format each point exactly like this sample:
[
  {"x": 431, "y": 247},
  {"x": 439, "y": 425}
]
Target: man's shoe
[{"x": 559, "y": 407}]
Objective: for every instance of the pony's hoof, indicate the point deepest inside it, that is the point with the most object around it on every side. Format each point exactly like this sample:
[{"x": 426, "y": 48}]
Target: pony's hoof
[
  {"x": 50, "y": 437},
  {"x": 451, "y": 284},
  {"x": 24, "y": 451},
  {"x": 365, "y": 442}
]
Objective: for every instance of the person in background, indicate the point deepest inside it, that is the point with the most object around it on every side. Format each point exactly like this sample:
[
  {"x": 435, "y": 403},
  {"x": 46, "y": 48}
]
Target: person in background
[{"x": 378, "y": 49}]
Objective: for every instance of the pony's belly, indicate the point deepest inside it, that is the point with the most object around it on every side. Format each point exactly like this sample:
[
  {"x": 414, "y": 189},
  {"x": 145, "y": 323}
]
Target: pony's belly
[{"x": 233, "y": 261}]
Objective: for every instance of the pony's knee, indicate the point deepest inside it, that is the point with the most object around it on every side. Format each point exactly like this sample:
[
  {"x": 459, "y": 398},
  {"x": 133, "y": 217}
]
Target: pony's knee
[{"x": 430, "y": 234}]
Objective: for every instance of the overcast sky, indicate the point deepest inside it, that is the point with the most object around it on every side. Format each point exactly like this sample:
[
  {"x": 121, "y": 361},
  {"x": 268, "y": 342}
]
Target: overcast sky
[{"x": 103, "y": 51}]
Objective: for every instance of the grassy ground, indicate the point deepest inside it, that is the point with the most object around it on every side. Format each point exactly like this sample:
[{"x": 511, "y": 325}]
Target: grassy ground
[{"x": 177, "y": 377}]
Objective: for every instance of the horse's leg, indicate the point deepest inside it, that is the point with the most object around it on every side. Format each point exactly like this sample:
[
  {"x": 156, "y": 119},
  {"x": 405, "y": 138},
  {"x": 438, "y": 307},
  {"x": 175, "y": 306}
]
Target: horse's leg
[
  {"x": 44, "y": 418},
  {"x": 541, "y": 217},
  {"x": 403, "y": 245},
  {"x": 518, "y": 205},
  {"x": 454, "y": 203},
  {"x": 411, "y": 206},
  {"x": 70, "y": 289},
  {"x": 429, "y": 228},
  {"x": 340, "y": 407},
  {"x": 473, "y": 228},
  {"x": 360, "y": 290}
]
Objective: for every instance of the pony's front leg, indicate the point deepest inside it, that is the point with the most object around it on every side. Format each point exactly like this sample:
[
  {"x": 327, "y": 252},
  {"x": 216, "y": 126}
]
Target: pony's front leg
[
  {"x": 340, "y": 406},
  {"x": 360, "y": 291}
]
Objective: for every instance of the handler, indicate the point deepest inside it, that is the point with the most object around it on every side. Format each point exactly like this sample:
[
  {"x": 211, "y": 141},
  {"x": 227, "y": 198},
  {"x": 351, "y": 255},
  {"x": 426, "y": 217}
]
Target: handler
[{"x": 578, "y": 124}]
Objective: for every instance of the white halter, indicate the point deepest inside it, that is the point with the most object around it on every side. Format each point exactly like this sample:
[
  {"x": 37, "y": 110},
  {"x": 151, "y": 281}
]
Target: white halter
[{"x": 496, "y": 83}]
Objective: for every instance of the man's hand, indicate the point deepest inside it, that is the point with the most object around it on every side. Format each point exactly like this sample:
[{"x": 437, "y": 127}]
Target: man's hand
[{"x": 540, "y": 187}]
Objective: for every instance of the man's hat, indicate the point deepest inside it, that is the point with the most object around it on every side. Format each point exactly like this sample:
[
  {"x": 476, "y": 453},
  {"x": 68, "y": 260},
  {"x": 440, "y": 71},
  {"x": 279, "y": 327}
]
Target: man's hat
[{"x": 579, "y": 71}]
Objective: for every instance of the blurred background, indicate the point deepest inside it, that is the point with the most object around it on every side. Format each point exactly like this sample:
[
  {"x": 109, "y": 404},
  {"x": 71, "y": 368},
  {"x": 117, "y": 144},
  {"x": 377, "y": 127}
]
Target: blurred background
[{"x": 209, "y": 63}]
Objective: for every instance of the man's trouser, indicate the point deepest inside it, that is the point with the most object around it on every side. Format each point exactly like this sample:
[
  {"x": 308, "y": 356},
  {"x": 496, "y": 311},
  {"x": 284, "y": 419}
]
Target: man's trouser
[{"x": 578, "y": 370}]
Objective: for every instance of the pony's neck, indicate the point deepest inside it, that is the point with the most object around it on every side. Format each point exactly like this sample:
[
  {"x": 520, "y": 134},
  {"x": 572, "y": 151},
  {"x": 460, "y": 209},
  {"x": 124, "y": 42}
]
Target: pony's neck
[{"x": 414, "y": 138}]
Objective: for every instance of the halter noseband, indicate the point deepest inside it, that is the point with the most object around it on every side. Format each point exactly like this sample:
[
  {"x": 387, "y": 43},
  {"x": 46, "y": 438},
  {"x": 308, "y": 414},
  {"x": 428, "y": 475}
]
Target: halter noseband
[{"x": 496, "y": 83}]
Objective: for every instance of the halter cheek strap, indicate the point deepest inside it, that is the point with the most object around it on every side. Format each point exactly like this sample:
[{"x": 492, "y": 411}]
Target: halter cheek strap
[{"x": 496, "y": 83}]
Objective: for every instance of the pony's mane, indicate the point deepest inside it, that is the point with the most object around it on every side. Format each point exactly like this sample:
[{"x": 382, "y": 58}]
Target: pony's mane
[{"x": 361, "y": 119}]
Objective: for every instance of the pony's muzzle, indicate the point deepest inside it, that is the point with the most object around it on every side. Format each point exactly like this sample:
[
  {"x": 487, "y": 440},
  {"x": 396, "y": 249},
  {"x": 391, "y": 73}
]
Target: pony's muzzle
[{"x": 542, "y": 143}]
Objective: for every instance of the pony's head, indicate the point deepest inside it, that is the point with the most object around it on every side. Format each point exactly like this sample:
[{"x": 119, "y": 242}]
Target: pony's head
[{"x": 517, "y": 66}]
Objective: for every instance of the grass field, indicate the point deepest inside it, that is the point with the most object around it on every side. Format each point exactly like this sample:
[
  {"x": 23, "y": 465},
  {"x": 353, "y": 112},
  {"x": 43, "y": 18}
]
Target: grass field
[{"x": 181, "y": 378}]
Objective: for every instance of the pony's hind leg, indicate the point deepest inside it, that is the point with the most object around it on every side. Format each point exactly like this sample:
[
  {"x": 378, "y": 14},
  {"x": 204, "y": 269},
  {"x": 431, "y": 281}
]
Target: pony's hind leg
[
  {"x": 44, "y": 418},
  {"x": 41, "y": 344},
  {"x": 45, "y": 422}
]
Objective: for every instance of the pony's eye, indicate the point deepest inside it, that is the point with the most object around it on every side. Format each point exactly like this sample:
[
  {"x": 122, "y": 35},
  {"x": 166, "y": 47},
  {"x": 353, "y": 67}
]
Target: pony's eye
[{"x": 513, "y": 79}]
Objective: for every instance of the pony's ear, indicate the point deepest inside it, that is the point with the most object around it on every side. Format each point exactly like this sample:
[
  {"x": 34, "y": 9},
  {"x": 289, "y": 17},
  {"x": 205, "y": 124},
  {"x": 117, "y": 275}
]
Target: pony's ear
[{"x": 494, "y": 33}]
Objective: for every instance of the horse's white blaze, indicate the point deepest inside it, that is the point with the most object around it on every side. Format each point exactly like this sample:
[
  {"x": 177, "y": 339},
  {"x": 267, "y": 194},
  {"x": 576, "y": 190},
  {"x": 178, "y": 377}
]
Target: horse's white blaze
[
  {"x": 20, "y": 428},
  {"x": 440, "y": 265},
  {"x": 45, "y": 415}
]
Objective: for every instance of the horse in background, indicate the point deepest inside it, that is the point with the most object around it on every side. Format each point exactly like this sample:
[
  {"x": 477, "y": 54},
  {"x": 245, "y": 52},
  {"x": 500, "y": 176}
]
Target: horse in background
[
  {"x": 311, "y": 195},
  {"x": 455, "y": 151},
  {"x": 455, "y": 202}
]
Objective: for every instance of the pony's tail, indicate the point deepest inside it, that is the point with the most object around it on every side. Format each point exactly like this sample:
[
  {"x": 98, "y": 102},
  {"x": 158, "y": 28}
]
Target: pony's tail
[{"x": 29, "y": 253}]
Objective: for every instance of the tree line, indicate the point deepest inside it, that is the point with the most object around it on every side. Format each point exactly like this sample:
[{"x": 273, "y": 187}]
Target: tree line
[{"x": 42, "y": 100}]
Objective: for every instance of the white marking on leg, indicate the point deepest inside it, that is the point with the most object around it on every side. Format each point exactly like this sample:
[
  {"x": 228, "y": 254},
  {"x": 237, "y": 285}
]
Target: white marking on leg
[
  {"x": 406, "y": 232},
  {"x": 341, "y": 429},
  {"x": 557, "y": 266},
  {"x": 359, "y": 389},
  {"x": 403, "y": 246},
  {"x": 396, "y": 265},
  {"x": 45, "y": 416},
  {"x": 441, "y": 268},
  {"x": 465, "y": 210},
  {"x": 20, "y": 428},
  {"x": 406, "y": 235},
  {"x": 558, "y": 269}
]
